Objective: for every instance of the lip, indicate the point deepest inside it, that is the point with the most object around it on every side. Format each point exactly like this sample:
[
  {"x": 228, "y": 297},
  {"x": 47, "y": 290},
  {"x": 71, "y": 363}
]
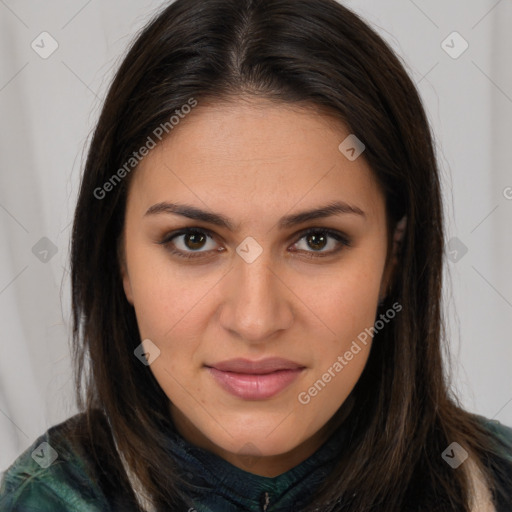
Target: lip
[{"x": 255, "y": 380}]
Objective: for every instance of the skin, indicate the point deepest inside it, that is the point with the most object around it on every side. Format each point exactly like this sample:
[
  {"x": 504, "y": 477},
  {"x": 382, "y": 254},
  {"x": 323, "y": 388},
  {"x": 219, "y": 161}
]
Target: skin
[{"x": 255, "y": 161}]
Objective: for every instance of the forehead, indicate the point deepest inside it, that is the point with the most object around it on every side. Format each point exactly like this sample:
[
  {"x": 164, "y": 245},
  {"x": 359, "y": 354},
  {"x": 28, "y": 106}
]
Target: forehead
[{"x": 256, "y": 152}]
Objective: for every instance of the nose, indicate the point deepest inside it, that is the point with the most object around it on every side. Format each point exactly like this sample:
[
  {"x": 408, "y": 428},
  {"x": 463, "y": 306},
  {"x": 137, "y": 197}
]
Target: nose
[{"x": 257, "y": 301}]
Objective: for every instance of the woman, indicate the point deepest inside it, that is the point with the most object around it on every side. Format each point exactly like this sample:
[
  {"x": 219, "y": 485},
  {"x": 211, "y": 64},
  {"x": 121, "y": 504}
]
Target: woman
[{"x": 256, "y": 268}]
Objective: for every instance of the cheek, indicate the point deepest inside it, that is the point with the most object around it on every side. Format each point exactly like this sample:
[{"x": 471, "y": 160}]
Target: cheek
[
  {"x": 344, "y": 301},
  {"x": 173, "y": 320},
  {"x": 166, "y": 296},
  {"x": 330, "y": 384},
  {"x": 173, "y": 310},
  {"x": 331, "y": 381},
  {"x": 345, "y": 304}
]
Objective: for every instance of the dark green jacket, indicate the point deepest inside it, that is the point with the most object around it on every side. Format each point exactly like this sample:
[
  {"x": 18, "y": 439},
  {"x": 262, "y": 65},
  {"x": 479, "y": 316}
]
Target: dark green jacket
[{"x": 57, "y": 474}]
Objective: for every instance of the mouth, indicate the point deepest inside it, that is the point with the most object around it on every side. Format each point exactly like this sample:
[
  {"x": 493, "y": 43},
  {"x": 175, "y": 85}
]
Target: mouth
[{"x": 255, "y": 380}]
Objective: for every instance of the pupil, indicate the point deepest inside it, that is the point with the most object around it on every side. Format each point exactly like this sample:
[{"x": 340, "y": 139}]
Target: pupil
[
  {"x": 194, "y": 240},
  {"x": 314, "y": 241}
]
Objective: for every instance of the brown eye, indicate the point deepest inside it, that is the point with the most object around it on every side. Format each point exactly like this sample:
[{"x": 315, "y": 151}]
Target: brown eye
[
  {"x": 189, "y": 243},
  {"x": 194, "y": 241},
  {"x": 317, "y": 239}
]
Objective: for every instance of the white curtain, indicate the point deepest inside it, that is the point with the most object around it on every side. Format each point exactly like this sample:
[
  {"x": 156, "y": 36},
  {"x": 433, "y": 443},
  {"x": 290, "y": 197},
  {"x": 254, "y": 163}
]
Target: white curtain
[{"x": 57, "y": 58}]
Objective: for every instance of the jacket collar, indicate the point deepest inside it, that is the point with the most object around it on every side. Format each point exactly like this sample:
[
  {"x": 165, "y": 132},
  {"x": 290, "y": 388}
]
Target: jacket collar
[{"x": 216, "y": 484}]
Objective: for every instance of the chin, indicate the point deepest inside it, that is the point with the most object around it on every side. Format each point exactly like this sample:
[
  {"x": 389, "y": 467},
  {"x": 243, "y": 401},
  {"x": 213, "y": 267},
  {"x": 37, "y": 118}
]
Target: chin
[
  {"x": 263, "y": 438},
  {"x": 259, "y": 446}
]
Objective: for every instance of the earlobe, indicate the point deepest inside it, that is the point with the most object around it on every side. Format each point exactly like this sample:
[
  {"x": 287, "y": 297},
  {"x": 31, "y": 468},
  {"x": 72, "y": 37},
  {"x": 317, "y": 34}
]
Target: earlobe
[
  {"x": 124, "y": 271},
  {"x": 126, "y": 284},
  {"x": 398, "y": 236}
]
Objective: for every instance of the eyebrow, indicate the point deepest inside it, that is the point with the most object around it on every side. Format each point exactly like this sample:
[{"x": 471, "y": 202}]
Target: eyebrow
[{"x": 288, "y": 221}]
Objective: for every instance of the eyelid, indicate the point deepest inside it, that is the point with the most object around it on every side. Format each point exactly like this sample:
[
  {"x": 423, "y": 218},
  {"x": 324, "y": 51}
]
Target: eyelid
[
  {"x": 168, "y": 240},
  {"x": 342, "y": 240},
  {"x": 186, "y": 231},
  {"x": 340, "y": 237}
]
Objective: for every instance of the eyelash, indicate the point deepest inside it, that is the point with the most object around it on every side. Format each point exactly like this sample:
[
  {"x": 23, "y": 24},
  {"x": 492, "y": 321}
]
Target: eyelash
[{"x": 339, "y": 237}]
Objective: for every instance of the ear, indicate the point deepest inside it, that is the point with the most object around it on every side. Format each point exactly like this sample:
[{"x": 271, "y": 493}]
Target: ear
[
  {"x": 127, "y": 286},
  {"x": 389, "y": 271}
]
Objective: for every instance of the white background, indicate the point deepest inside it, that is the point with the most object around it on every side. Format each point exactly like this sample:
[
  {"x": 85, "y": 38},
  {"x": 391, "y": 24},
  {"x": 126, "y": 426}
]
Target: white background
[{"x": 48, "y": 107}]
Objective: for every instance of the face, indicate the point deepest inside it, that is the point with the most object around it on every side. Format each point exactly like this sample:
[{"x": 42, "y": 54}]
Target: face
[{"x": 254, "y": 308}]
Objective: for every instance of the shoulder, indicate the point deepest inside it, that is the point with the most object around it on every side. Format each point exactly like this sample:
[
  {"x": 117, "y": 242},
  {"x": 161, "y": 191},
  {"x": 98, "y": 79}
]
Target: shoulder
[
  {"x": 501, "y": 434},
  {"x": 499, "y": 465},
  {"x": 52, "y": 474}
]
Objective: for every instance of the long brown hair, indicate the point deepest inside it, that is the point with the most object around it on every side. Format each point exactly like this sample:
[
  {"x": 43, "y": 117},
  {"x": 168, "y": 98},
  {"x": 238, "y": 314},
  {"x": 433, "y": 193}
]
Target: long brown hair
[{"x": 316, "y": 53}]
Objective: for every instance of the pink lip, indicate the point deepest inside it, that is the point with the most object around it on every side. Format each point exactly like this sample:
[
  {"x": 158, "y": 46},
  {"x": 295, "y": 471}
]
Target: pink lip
[{"x": 255, "y": 380}]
